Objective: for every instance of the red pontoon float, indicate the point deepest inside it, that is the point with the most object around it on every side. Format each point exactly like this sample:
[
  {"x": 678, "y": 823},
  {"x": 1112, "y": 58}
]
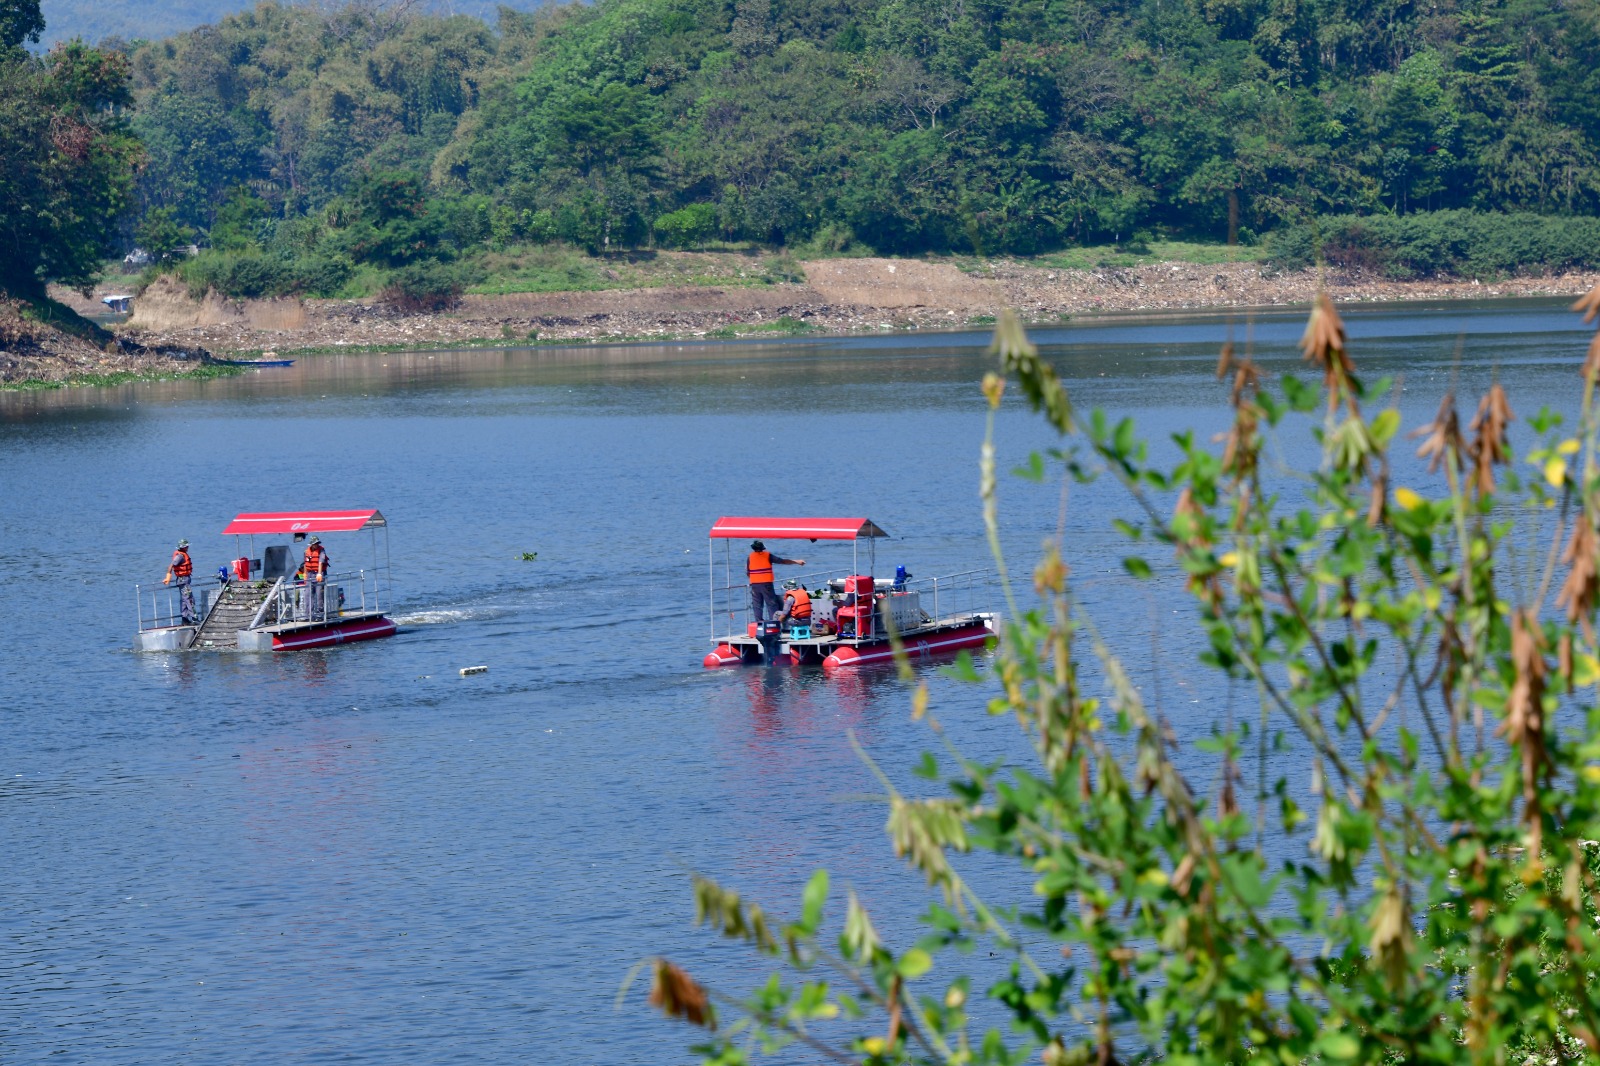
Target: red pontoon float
[
  {"x": 263, "y": 603},
  {"x": 852, "y": 611}
]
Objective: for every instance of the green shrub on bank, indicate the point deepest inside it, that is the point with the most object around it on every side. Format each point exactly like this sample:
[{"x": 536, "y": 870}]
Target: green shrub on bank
[
  {"x": 1467, "y": 244},
  {"x": 425, "y": 287},
  {"x": 254, "y": 274},
  {"x": 687, "y": 227}
]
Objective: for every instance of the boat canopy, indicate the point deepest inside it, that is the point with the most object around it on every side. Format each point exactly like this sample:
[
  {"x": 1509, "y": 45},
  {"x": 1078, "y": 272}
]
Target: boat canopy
[
  {"x": 796, "y": 528},
  {"x": 305, "y": 522}
]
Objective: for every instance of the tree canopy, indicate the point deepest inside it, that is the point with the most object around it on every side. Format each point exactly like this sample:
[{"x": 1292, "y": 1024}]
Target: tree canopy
[
  {"x": 66, "y": 163},
  {"x": 906, "y": 125}
]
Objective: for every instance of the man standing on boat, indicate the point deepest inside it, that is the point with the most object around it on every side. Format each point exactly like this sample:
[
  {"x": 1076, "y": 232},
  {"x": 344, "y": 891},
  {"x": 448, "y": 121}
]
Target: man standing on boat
[
  {"x": 181, "y": 569},
  {"x": 315, "y": 567},
  {"x": 759, "y": 568}
]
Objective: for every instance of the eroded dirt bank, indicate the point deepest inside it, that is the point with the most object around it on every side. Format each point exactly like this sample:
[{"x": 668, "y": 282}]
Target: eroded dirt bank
[
  {"x": 839, "y": 295},
  {"x": 35, "y": 351}
]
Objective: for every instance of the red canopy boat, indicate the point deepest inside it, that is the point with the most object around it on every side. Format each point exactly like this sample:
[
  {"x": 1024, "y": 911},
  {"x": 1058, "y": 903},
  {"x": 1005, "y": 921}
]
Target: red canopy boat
[
  {"x": 853, "y": 613},
  {"x": 265, "y": 603}
]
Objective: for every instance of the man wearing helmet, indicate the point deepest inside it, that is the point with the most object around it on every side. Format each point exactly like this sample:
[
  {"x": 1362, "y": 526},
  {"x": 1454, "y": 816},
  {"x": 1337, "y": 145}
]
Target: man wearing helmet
[{"x": 181, "y": 569}]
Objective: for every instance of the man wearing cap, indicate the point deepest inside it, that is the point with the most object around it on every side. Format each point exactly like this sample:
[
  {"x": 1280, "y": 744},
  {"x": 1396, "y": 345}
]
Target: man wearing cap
[
  {"x": 315, "y": 568},
  {"x": 759, "y": 568},
  {"x": 181, "y": 569}
]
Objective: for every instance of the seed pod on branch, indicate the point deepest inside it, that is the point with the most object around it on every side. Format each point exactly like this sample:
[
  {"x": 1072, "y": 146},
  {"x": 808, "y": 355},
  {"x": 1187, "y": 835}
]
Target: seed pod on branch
[
  {"x": 1489, "y": 441},
  {"x": 1582, "y": 586},
  {"x": 1324, "y": 346},
  {"x": 1443, "y": 435},
  {"x": 1524, "y": 727},
  {"x": 1589, "y": 304}
]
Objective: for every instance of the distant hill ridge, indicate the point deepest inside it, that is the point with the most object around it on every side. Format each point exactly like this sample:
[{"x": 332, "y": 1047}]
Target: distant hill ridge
[{"x": 96, "y": 20}]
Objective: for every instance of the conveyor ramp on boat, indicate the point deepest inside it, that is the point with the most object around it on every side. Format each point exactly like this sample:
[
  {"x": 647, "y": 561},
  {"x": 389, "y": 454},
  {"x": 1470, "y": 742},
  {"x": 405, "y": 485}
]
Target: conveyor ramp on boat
[{"x": 234, "y": 609}]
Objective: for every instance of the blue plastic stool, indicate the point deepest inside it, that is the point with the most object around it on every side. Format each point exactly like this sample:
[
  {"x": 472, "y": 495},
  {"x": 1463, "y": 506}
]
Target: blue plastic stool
[{"x": 800, "y": 632}]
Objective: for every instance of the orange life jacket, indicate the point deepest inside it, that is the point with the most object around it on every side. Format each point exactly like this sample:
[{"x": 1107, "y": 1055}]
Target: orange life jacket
[
  {"x": 801, "y": 610},
  {"x": 316, "y": 562},
  {"x": 760, "y": 568},
  {"x": 181, "y": 566}
]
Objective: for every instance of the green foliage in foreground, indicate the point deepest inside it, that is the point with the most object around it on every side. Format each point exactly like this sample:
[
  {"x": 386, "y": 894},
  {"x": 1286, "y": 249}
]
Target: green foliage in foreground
[
  {"x": 1452, "y": 243},
  {"x": 1428, "y": 651}
]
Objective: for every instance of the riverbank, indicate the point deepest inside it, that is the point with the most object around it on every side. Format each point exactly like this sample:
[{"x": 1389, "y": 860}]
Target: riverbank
[
  {"x": 44, "y": 344},
  {"x": 837, "y": 296}
]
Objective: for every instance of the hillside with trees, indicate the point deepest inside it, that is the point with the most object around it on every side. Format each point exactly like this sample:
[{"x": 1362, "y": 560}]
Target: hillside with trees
[{"x": 315, "y": 149}]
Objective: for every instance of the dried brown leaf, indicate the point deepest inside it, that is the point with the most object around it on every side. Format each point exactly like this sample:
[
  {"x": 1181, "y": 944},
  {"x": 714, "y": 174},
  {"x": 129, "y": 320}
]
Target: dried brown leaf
[{"x": 677, "y": 995}]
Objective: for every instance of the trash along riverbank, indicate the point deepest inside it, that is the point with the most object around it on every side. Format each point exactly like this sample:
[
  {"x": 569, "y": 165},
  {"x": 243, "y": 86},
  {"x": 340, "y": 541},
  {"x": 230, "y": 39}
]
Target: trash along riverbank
[{"x": 838, "y": 296}]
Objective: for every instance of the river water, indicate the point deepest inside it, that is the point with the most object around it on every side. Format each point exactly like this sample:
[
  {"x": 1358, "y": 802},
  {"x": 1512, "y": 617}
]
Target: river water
[{"x": 360, "y": 855}]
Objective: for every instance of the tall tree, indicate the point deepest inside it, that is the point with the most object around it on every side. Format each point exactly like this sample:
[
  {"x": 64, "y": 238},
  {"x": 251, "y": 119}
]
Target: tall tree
[
  {"x": 66, "y": 164},
  {"x": 21, "y": 22}
]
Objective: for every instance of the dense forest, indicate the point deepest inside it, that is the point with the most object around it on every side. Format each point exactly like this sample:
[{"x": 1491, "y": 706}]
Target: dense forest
[{"x": 303, "y": 144}]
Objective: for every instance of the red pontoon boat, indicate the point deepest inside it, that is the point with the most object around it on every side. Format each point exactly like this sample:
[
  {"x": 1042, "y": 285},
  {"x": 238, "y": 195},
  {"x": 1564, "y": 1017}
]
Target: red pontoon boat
[
  {"x": 262, "y": 603},
  {"x": 851, "y": 610}
]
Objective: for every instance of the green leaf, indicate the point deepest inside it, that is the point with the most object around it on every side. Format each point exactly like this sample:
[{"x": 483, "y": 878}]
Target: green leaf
[
  {"x": 913, "y": 964},
  {"x": 1034, "y": 471},
  {"x": 1137, "y": 567},
  {"x": 1385, "y": 426},
  {"x": 816, "y": 894},
  {"x": 1341, "y": 1046},
  {"x": 962, "y": 669}
]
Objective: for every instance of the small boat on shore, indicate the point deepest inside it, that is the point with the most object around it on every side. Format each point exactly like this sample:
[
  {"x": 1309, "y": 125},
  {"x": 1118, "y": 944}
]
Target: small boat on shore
[
  {"x": 254, "y": 362},
  {"x": 266, "y": 603},
  {"x": 852, "y": 612}
]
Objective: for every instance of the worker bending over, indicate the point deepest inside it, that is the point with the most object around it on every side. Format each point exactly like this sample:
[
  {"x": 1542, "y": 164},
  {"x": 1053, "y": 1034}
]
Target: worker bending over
[
  {"x": 796, "y": 605},
  {"x": 759, "y": 568}
]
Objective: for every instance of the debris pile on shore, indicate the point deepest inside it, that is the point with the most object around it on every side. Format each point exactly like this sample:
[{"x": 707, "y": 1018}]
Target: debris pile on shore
[{"x": 839, "y": 296}]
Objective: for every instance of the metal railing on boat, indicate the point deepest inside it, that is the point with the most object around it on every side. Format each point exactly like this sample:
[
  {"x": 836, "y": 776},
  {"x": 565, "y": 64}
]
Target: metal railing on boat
[
  {"x": 360, "y": 592},
  {"x": 290, "y": 602}
]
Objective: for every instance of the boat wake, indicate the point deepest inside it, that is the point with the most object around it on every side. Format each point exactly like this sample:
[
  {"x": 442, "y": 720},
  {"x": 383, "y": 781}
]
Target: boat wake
[{"x": 449, "y": 615}]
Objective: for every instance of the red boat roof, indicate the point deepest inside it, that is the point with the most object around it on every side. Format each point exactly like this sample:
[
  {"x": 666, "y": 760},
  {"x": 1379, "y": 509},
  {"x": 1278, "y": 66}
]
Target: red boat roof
[
  {"x": 796, "y": 528},
  {"x": 305, "y": 522}
]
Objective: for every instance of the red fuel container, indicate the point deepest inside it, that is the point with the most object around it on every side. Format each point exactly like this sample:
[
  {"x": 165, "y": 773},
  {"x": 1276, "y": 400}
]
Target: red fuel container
[{"x": 241, "y": 568}]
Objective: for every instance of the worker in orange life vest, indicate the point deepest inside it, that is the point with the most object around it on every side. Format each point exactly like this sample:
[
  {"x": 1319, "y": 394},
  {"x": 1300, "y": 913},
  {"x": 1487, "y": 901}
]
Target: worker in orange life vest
[
  {"x": 315, "y": 567},
  {"x": 796, "y": 605},
  {"x": 181, "y": 569},
  {"x": 759, "y": 568}
]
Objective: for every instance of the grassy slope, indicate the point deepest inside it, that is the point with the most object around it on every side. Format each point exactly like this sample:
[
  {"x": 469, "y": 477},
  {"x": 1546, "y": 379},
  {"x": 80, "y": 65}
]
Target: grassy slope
[{"x": 562, "y": 268}]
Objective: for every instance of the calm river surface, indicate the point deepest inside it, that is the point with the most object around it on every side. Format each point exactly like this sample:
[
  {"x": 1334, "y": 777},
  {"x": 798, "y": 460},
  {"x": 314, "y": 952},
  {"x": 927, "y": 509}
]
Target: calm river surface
[{"x": 359, "y": 855}]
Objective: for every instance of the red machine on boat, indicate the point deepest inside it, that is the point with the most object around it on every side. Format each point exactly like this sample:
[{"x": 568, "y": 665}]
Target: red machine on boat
[
  {"x": 266, "y": 603},
  {"x": 852, "y": 613}
]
